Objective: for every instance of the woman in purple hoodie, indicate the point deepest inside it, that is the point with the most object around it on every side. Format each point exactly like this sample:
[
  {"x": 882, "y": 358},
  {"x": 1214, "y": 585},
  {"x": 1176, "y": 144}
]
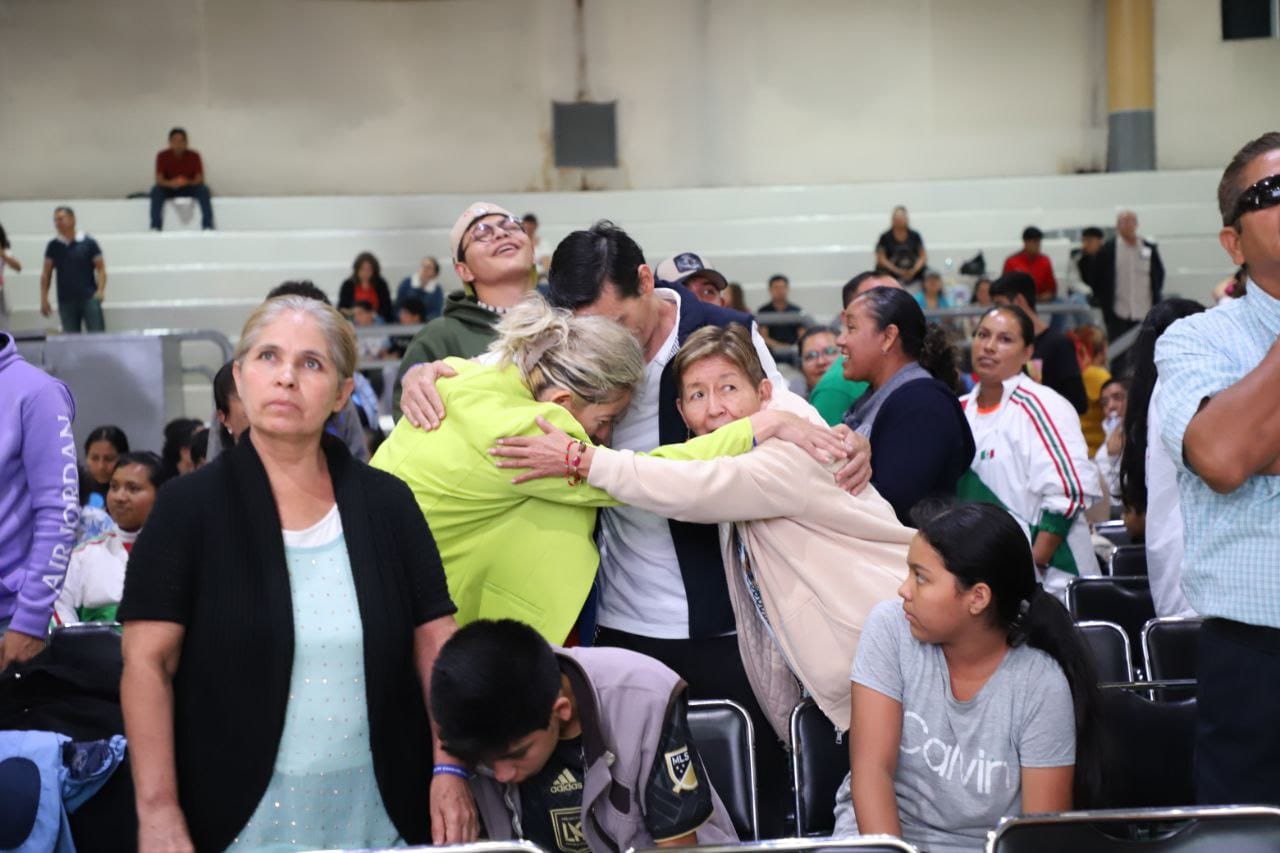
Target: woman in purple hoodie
[{"x": 39, "y": 504}]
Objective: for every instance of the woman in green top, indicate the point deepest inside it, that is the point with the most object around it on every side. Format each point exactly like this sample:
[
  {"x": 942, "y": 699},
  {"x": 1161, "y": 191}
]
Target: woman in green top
[{"x": 524, "y": 550}]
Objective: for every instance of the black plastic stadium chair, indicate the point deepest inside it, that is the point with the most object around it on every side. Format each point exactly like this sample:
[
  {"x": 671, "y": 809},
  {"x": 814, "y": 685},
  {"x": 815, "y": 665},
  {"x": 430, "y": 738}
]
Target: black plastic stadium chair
[
  {"x": 1114, "y": 532},
  {"x": 1237, "y": 829},
  {"x": 867, "y": 844},
  {"x": 1128, "y": 561},
  {"x": 475, "y": 847},
  {"x": 1171, "y": 647},
  {"x": 819, "y": 763},
  {"x": 1125, "y": 601},
  {"x": 1148, "y": 746},
  {"x": 1112, "y": 657},
  {"x": 723, "y": 732}
]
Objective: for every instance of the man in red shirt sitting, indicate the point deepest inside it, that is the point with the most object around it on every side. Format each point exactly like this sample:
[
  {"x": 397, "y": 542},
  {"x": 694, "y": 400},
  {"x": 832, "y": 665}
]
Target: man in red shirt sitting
[
  {"x": 1034, "y": 264},
  {"x": 179, "y": 172}
]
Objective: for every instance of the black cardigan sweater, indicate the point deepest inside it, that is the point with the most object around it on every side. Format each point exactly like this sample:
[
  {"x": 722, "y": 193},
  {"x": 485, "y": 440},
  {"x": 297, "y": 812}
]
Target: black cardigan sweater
[
  {"x": 921, "y": 445},
  {"x": 211, "y": 558}
]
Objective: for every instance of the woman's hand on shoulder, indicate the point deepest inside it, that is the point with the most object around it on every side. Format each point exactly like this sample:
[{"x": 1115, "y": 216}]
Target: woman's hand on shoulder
[
  {"x": 856, "y": 473},
  {"x": 420, "y": 401},
  {"x": 539, "y": 455}
]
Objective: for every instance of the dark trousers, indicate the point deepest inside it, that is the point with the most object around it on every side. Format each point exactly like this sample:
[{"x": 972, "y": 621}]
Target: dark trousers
[
  {"x": 199, "y": 192},
  {"x": 86, "y": 311},
  {"x": 1238, "y": 706},
  {"x": 712, "y": 668}
]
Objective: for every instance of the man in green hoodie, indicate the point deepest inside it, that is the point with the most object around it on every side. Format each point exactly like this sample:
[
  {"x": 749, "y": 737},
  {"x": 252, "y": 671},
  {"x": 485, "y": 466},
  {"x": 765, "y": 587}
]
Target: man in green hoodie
[{"x": 492, "y": 255}]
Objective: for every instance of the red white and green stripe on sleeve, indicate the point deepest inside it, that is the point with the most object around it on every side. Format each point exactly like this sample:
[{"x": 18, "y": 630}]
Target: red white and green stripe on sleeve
[{"x": 1055, "y": 446}]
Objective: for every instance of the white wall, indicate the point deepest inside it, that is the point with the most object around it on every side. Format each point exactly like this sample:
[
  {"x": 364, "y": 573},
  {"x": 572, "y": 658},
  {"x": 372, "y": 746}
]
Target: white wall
[
  {"x": 1211, "y": 96},
  {"x": 373, "y": 96}
]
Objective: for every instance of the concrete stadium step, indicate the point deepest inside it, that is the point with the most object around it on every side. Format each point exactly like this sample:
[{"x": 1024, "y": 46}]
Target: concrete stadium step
[
  {"x": 399, "y": 250},
  {"x": 227, "y": 315},
  {"x": 177, "y": 285},
  {"x": 1104, "y": 191}
]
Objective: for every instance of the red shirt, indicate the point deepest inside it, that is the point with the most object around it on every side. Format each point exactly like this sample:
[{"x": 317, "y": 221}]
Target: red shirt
[
  {"x": 367, "y": 293},
  {"x": 169, "y": 166},
  {"x": 1040, "y": 268}
]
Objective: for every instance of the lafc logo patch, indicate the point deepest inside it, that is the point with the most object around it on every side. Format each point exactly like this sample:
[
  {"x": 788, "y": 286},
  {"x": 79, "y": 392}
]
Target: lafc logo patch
[
  {"x": 568, "y": 828},
  {"x": 680, "y": 770}
]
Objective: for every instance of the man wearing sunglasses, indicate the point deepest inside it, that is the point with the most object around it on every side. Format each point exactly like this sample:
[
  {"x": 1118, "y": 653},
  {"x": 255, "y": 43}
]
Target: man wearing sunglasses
[
  {"x": 492, "y": 255},
  {"x": 1219, "y": 381}
]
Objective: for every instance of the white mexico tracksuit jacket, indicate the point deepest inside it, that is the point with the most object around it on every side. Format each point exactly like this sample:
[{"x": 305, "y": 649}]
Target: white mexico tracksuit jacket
[
  {"x": 94, "y": 582},
  {"x": 1032, "y": 459}
]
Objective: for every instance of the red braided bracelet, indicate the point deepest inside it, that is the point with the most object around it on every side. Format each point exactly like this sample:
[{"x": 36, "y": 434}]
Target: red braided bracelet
[{"x": 571, "y": 472}]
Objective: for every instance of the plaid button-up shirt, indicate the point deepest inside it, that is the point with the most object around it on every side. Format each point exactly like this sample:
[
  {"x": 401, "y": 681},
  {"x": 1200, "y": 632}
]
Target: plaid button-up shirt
[{"x": 1232, "y": 563}]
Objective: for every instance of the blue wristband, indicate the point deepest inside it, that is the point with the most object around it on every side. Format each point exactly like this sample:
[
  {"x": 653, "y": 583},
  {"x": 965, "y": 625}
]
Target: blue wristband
[{"x": 450, "y": 770}]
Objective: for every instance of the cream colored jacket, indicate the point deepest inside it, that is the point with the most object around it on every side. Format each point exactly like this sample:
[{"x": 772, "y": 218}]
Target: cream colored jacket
[{"x": 821, "y": 558}]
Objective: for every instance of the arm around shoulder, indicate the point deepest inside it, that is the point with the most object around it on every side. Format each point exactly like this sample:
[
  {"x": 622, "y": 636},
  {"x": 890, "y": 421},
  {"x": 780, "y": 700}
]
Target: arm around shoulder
[{"x": 761, "y": 484}]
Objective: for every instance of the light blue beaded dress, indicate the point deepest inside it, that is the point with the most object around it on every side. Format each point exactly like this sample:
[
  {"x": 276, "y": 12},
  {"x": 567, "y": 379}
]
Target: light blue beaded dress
[{"x": 322, "y": 793}]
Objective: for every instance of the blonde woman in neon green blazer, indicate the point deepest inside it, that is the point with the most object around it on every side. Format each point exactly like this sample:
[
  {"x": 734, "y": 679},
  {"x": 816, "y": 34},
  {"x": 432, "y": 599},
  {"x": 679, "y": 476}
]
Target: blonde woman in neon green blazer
[{"x": 525, "y": 551}]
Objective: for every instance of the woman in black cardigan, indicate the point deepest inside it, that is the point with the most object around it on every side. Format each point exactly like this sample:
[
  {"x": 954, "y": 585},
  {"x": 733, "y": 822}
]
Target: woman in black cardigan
[
  {"x": 921, "y": 443},
  {"x": 282, "y": 611}
]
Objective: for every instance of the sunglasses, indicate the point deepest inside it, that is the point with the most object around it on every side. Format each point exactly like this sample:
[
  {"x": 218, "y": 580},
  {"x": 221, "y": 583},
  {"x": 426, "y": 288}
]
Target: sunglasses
[
  {"x": 487, "y": 232},
  {"x": 815, "y": 354},
  {"x": 1262, "y": 195}
]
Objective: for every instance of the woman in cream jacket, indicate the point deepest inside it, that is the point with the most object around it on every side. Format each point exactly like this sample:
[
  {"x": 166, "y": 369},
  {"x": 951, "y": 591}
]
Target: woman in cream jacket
[{"x": 806, "y": 561}]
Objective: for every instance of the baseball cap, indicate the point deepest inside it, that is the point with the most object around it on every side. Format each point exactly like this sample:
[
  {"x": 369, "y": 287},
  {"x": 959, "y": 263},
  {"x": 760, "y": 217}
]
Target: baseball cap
[
  {"x": 679, "y": 267},
  {"x": 475, "y": 210},
  {"x": 1032, "y": 233}
]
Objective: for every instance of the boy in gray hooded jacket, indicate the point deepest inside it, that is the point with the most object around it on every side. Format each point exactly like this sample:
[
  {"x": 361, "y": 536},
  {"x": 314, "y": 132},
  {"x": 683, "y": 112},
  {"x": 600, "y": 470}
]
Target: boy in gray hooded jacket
[{"x": 575, "y": 749}]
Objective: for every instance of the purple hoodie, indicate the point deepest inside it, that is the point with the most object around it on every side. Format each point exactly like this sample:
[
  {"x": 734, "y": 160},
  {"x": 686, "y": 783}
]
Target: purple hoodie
[{"x": 39, "y": 490}]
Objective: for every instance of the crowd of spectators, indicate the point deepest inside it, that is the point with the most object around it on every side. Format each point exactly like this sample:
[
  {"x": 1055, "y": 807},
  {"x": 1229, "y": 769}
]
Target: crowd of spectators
[{"x": 602, "y": 499}]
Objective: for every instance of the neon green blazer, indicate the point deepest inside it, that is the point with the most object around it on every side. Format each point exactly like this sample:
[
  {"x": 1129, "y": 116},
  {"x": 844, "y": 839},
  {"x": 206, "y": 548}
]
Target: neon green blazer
[{"x": 523, "y": 551}]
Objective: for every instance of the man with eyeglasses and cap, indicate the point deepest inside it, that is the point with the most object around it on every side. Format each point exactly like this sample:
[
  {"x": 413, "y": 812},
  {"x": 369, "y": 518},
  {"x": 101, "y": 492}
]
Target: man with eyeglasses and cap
[
  {"x": 1220, "y": 422},
  {"x": 695, "y": 273},
  {"x": 492, "y": 255}
]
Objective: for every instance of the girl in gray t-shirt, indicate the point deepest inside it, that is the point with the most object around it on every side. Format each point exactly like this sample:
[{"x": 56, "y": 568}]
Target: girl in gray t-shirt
[{"x": 973, "y": 697}]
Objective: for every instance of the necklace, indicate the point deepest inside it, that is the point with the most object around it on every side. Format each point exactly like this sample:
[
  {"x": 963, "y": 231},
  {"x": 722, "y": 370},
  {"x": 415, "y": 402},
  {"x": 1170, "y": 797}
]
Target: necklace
[{"x": 494, "y": 308}]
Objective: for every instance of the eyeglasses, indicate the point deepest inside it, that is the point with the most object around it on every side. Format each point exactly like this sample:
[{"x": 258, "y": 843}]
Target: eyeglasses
[
  {"x": 1262, "y": 195},
  {"x": 487, "y": 232},
  {"x": 815, "y": 354}
]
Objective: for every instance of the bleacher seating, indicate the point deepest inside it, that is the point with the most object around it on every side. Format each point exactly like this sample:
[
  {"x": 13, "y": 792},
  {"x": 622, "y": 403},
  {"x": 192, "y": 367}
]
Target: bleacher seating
[{"x": 819, "y": 236}]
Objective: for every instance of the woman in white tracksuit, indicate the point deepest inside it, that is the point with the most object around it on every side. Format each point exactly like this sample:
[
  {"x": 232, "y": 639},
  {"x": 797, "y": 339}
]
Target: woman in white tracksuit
[
  {"x": 94, "y": 583},
  {"x": 1030, "y": 457}
]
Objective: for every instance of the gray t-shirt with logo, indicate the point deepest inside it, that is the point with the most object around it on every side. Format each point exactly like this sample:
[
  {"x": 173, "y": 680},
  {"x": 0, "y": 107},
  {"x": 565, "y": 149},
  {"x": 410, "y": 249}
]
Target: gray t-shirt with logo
[{"x": 959, "y": 765}]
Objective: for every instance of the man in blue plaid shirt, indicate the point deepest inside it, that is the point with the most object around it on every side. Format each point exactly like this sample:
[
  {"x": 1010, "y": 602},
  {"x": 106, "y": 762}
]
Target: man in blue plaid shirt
[{"x": 1220, "y": 390}]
